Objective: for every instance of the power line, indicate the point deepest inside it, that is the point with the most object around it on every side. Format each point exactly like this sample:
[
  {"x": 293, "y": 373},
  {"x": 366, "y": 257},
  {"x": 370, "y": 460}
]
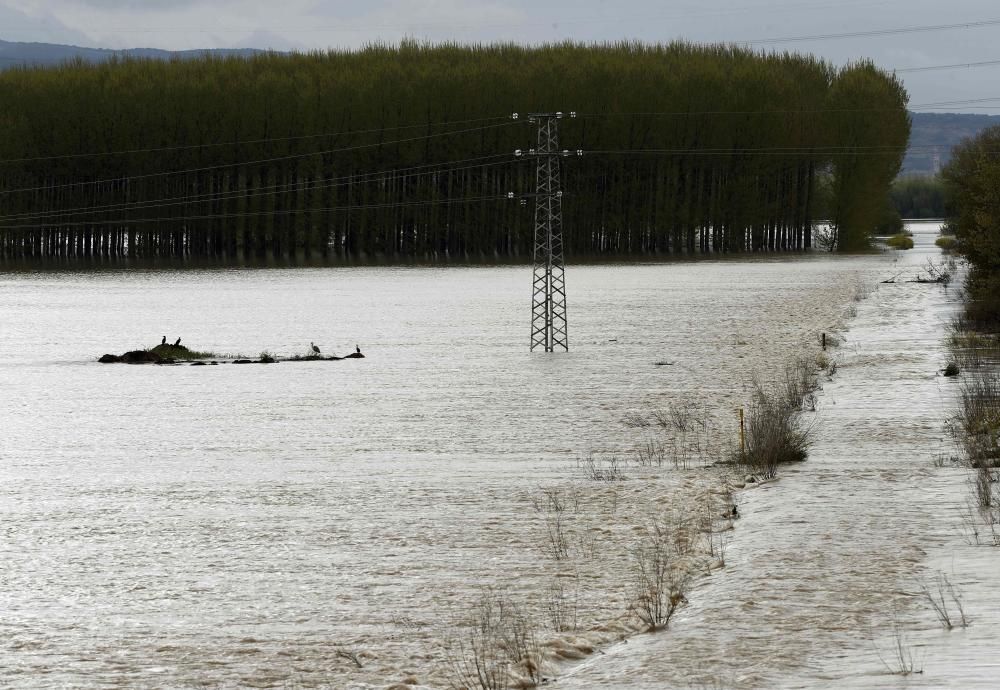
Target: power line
[
  {"x": 344, "y": 181},
  {"x": 247, "y": 142},
  {"x": 755, "y": 152},
  {"x": 252, "y": 162},
  {"x": 939, "y": 104},
  {"x": 248, "y": 214},
  {"x": 876, "y": 32},
  {"x": 377, "y": 176},
  {"x": 782, "y": 111},
  {"x": 960, "y": 65},
  {"x": 477, "y": 163}
]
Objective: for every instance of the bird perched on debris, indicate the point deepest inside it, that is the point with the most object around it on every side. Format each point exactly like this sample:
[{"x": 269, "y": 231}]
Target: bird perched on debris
[
  {"x": 357, "y": 349},
  {"x": 178, "y": 343},
  {"x": 314, "y": 348},
  {"x": 164, "y": 341}
]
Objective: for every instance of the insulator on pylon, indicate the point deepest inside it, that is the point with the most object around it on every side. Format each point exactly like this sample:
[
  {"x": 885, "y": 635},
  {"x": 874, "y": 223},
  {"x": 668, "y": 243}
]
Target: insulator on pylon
[
  {"x": 518, "y": 152},
  {"x": 513, "y": 116}
]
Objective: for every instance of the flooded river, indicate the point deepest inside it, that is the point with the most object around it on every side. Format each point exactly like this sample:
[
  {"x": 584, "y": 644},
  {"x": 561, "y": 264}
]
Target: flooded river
[
  {"x": 824, "y": 575},
  {"x": 260, "y": 526}
]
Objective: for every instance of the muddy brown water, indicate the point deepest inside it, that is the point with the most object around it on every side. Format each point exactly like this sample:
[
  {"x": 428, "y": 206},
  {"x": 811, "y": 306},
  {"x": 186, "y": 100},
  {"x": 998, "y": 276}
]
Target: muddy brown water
[
  {"x": 825, "y": 568},
  {"x": 236, "y": 526}
]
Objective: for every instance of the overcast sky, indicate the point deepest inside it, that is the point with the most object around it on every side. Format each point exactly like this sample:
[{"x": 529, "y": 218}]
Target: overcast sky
[{"x": 309, "y": 24}]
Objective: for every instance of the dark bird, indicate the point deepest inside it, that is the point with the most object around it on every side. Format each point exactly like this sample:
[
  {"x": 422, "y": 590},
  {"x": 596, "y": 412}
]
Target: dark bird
[
  {"x": 357, "y": 349},
  {"x": 735, "y": 514},
  {"x": 314, "y": 348},
  {"x": 178, "y": 343},
  {"x": 164, "y": 341}
]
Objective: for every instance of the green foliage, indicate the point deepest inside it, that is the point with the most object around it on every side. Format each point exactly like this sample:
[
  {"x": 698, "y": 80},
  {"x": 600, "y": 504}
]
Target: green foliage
[
  {"x": 919, "y": 197},
  {"x": 890, "y": 222},
  {"x": 973, "y": 182},
  {"x": 946, "y": 242},
  {"x": 742, "y": 142},
  {"x": 873, "y": 155},
  {"x": 900, "y": 241},
  {"x": 982, "y": 306}
]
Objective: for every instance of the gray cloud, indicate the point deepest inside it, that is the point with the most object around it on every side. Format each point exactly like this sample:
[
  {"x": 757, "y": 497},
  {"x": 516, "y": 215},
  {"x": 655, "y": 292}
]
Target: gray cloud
[
  {"x": 308, "y": 24},
  {"x": 38, "y": 27}
]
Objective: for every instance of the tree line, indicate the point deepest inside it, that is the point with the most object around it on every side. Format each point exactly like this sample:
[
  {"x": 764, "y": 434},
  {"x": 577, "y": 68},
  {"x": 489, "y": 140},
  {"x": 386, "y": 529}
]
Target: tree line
[
  {"x": 407, "y": 152},
  {"x": 972, "y": 180},
  {"x": 919, "y": 196}
]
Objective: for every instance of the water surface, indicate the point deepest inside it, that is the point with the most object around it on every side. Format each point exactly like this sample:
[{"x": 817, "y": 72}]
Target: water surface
[{"x": 233, "y": 525}]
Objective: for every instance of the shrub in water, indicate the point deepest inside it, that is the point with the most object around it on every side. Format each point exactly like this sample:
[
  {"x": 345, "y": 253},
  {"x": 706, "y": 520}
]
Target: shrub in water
[
  {"x": 947, "y": 242},
  {"x": 774, "y": 432},
  {"x": 900, "y": 241}
]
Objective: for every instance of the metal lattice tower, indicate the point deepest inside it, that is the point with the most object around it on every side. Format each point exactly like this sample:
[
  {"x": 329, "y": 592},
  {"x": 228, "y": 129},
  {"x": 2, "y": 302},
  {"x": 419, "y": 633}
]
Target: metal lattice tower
[{"x": 549, "y": 328}]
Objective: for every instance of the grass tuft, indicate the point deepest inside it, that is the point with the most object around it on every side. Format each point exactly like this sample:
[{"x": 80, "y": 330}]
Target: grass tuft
[
  {"x": 900, "y": 241},
  {"x": 946, "y": 242},
  {"x": 774, "y": 430},
  {"x": 168, "y": 351}
]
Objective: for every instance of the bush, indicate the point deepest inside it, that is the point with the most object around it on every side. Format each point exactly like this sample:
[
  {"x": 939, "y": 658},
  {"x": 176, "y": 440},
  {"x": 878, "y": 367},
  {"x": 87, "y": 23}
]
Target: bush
[
  {"x": 889, "y": 223},
  {"x": 982, "y": 306},
  {"x": 660, "y": 579},
  {"x": 980, "y": 419},
  {"x": 498, "y": 648},
  {"x": 900, "y": 241},
  {"x": 946, "y": 242},
  {"x": 774, "y": 434},
  {"x": 919, "y": 197}
]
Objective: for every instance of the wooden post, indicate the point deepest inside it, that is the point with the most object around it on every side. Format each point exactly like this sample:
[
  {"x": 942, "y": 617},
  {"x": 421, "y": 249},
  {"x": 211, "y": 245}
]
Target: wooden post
[
  {"x": 824, "y": 342},
  {"x": 743, "y": 437}
]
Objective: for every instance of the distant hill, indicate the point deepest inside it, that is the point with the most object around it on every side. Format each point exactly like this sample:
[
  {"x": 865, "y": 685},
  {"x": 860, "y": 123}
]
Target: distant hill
[
  {"x": 935, "y": 129},
  {"x": 14, "y": 54},
  {"x": 944, "y": 130}
]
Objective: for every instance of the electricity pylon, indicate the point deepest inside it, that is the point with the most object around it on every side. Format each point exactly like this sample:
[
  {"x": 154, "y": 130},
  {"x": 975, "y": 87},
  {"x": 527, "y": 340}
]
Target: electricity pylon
[{"x": 549, "y": 328}]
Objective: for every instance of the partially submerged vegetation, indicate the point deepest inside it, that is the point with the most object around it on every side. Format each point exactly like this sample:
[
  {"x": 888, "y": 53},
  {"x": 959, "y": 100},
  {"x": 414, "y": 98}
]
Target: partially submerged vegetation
[
  {"x": 282, "y": 155},
  {"x": 900, "y": 241},
  {"x": 775, "y": 434},
  {"x": 972, "y": 179},
  {"x": 177, "y": 354},
  {"x": 669, "y": 540},
  {"x": 977, "y": 427},
  {"x": 919, "y": 196},
  {"x": 946, "y": 242},
  {"x": 181, "y": 352}
]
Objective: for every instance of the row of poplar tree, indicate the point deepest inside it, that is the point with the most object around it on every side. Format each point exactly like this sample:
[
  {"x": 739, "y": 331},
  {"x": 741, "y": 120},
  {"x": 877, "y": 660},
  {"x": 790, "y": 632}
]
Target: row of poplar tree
[{"x": 407, "y": 152}]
